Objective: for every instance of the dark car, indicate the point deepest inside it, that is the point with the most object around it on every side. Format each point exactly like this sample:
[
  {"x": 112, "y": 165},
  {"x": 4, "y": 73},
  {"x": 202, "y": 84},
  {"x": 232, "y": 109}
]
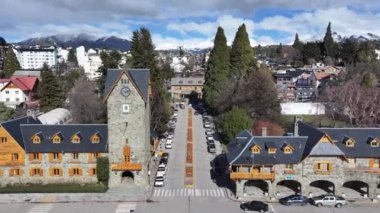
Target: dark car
[
  {"x": 211, "y": 148},
  {"x": 254, "y": 206},
  {"x": 294, "y": 200}
]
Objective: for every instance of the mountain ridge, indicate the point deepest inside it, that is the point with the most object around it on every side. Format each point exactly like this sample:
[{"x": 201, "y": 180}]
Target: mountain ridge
[{"x": 86, "y": 40}]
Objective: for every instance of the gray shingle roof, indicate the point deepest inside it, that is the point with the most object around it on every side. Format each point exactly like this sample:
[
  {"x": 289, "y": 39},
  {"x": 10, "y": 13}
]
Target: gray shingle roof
[
  {"x": 66, "y": 131},
  {"x": 13, "y": 127},
  {"x": 139, "y": 76},
  {"x": 239, "y": 151},
  {"x": 361, "y": 149}
]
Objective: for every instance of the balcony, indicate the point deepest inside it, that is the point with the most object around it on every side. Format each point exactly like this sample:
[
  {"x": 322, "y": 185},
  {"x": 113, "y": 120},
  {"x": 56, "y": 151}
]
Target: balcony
[
  {"x": 290, "y": 172},
  {"x": 126, "y": 167},
  {"x": 322, "y": 172},
  {"x": 252, "y": 176}
]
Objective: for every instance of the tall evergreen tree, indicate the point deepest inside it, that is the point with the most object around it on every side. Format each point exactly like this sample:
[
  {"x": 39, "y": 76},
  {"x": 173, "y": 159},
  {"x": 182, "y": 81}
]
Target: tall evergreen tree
[
  {"x": 217, "y": 68},
  {"x": 11, "y": 63},
  {"x": 144, "y": 56},
  {"x": 297, "y": 44},
  {"x": 242, "y": 55},
  {"x": 329, "y": 46},
  {"x": 109, "y": 61},
  {"x": 50, "y": 90}
]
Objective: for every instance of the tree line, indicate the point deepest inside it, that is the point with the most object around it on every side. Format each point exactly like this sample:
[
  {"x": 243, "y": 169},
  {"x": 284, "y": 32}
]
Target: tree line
[{"x": 236, "y": 90}]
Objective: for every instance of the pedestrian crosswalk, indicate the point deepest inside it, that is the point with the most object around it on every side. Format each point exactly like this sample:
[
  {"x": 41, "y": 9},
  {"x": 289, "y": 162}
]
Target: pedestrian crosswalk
[
  {"x": 41, "y": 208},
  {"x": 188, "y": 192},
  {"x": 125, "y": 207}
]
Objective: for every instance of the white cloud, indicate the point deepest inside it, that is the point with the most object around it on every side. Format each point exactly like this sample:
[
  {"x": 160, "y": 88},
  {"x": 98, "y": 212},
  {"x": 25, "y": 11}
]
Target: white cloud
[{"x": 164, "y": 43}]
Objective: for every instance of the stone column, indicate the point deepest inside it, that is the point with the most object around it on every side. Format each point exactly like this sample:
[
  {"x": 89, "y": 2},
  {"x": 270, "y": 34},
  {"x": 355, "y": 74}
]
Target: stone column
[
  {"x": 372, "y": 190},
  {"x": 240, "y": 188},
  {"x": 271, "y": 189}
]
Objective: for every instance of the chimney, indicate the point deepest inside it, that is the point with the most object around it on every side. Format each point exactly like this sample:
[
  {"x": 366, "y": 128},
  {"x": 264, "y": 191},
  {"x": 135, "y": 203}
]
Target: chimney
[
  {"x": 263, "y": 131},
  {"x": 31, "y": 113},
  {"x": 296, "y": 120}
]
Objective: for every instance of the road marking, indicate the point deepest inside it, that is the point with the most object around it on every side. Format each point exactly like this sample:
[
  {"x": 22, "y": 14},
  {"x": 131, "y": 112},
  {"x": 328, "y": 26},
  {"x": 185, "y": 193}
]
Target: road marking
[
  {"x": 41, "y": 208},
  {"x": 197, "y": 192},
  {"x": 125, "y": 207},
  {"x": 186, "y": 192},
  {"x": 181, "y": 193},
  {"x": 155, "y": 193},
  {"x": 221, "y": 192}
]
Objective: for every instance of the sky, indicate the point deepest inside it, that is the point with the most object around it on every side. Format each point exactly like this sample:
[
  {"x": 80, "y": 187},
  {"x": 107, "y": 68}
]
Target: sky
[{"x": 190, "y": 23}]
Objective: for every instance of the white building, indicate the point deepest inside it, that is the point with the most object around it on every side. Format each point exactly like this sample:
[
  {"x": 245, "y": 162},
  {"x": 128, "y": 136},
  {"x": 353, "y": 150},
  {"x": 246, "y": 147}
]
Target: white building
[
  {"x": 178, "y": 64},
  {"x": 17, "y": 90},
  {"x": 35, "y": 57},
  {"x": 62, "y": 54},
  {"x": 90, "y": 61}
]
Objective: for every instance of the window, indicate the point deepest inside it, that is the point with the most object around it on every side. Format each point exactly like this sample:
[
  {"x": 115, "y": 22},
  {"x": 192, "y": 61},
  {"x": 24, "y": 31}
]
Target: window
[
  {"x": 195, "y": 88},
  {"x": 36, "y": 139},
  {"x": 76, "y": 171},
  {"x": 35, "y": 156},
  {"x": 92, "y": 171},
  {"x": 125, "y": 108},
  {"x": 16, "y": 92},
  {"x": 124, "y": 81},
  {"x": 181, "y": 82},
  {"x": 56, "y": 156},
  {"x": 56, "y": 139},
  {"x": 199, "y": 82},
  {"x": 56, "y": 172},
  {"x": 349, "y": 143},
  {"x": 322, "y": 167},
  {"x": 3, "y": 139},
  {"x": 76, "y": 156},
  {"x": 16, "y": 172},
  {"x": 255, "y": 149},
  {"x": 14, "y": 156},
  {"x": 17, "y": 99},
  {"x": 288, "y": 150},
  {"x": 75, "y": 139},
  {"x": 271, "y": 150},
  {"x": 36, "y": 171},
  {"x": 7, "y": 100},
  {"x": 289, "y": 166},
  {"x": 95, "y": 138},
  {"x": 6, "y": 91},
  {"x": 374, "y": 143}
]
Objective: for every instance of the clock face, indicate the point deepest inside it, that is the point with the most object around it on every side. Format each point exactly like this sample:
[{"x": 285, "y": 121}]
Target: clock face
[{"x": 125, "y": 91}]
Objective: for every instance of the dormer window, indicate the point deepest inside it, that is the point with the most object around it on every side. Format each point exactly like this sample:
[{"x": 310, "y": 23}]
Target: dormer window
[
  {"x": 36, "y": 138},
  {"x": 255, "y": 149},
  {"x": 271, "y": 147},
  {"x": 57, "y": 138},
  {"x": 349, "y": 142},
  {"x": 287, "y": 149},
  {"x": 374, "y": 142},
  {"x": 95, "y": 138},
  {"x": 76, "y": 138}
]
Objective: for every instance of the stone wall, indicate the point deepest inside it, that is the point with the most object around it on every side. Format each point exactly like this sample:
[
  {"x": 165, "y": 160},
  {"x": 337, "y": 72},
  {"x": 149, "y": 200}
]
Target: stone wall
[
  {"x": 129, "y": 129},
  {"x": 66, "y": 163}
]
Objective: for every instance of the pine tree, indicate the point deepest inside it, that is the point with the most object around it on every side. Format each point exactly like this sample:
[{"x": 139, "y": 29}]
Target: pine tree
[
  {"x": 11, "y": 63},
  {"x": 217, "y": 68},
  {"x": 50, "y": 90},
  {"x": 109, "y": 61},
  {"x": 242, "y": 54},
  {"x": 144, "y": 56},
  {"x": 297, "y": 44},
  {"x": 329, "y": 47},
  {"x": 233, "y": 122}
]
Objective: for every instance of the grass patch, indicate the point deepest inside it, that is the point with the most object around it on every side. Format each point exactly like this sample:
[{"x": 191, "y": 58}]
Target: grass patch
[{"x": 55, "y": 188}]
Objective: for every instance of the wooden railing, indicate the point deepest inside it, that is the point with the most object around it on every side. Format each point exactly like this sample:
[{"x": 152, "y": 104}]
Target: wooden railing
[
  {"x": 363, "y": 170},
  {"x": 322, "y": 172},
  {"x": 290, "y": 172},
  {"x": 252, "y": 176},
  {"x": 127, "y": 167}
]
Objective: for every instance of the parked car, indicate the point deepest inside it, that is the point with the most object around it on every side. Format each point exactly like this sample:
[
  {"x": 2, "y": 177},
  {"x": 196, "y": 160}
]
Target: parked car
[
  {"x": 209, "y": 138},
  {"x": 163, "y": 161},
  {"x": 170, "y": 136},
  {"x": 165, "y": 155},
  {"x": 196, "y": 113},
  {"x": 207, "y": 125},
  {"x": 328, "y": 200},
  {"x": 161, "y": 168},
  {"x": 160, "y": 174},
  {"x": 169, "y": 144},
  {"x": 182, "y": 105},
  {"x": 294, "y": 200},
  {"x": 254, "y": 206},
  {"x": 175, "y": 114},
  {"x": 208, "y": 132},
  {"x": 211, "y": 148},
  {"x": 159, "y": 181},
  {"x": 210, "y": 141}
]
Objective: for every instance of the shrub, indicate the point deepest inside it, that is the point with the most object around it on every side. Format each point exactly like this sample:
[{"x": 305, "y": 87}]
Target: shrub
[{"x": 102, "y": 168}]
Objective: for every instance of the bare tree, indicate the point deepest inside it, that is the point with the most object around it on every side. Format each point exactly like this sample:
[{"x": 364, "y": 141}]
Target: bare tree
[{"x": 85, "y": 105}]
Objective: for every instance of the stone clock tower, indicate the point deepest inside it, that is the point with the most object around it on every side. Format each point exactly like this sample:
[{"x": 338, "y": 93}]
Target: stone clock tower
[{"x": 126, "y": 94}]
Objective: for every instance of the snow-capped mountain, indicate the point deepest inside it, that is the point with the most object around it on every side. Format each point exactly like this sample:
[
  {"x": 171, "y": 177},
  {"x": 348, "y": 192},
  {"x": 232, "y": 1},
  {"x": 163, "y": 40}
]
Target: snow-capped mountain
[
  {"x": 86, "y": 40},
  {"x": 363, "y": 37}
]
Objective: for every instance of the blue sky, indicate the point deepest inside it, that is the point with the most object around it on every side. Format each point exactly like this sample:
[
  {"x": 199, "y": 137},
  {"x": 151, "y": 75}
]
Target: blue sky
[{"x": 190, "y": 23}]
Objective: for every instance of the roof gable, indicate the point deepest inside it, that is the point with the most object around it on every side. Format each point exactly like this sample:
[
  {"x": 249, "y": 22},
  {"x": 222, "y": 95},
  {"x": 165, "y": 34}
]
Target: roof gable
[{"x": 139, "y": 77}]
